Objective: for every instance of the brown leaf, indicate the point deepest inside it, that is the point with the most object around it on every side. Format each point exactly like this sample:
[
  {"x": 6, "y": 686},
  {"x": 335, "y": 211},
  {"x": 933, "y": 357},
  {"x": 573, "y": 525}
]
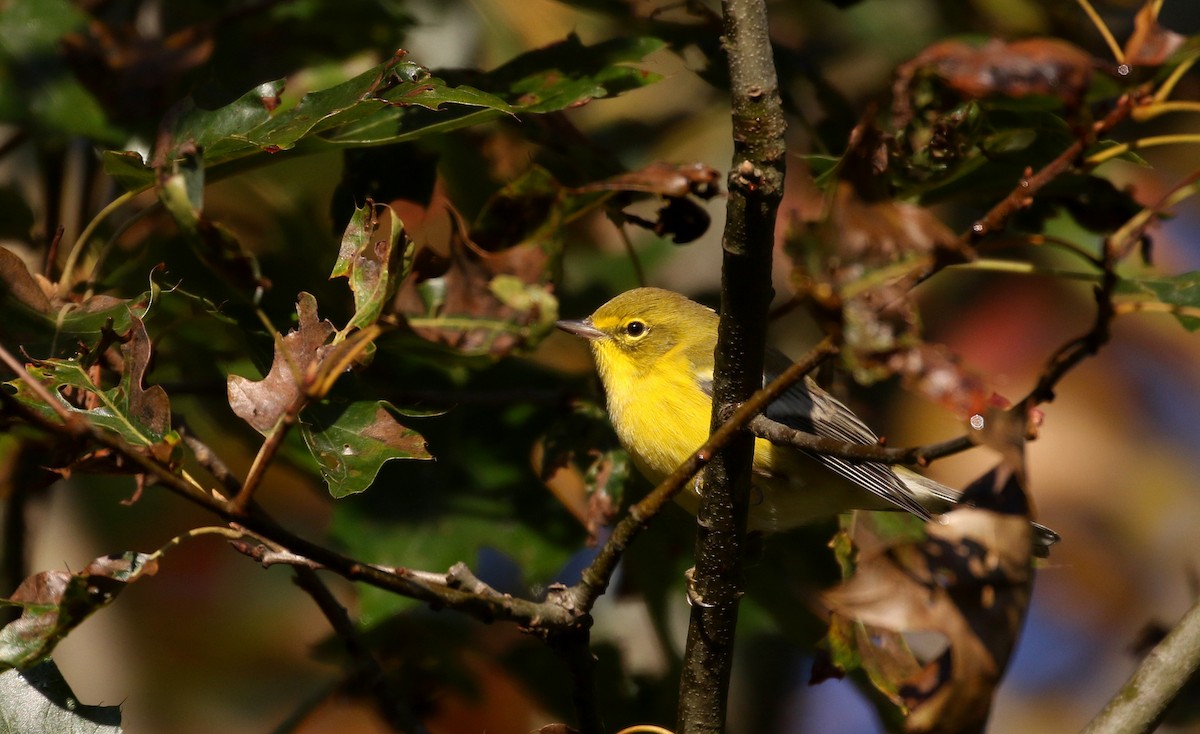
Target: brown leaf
[
  {"x": 55, "y": 602},
  {"x": 935, "y": 372},
  {"x": 297, "y": 355},
  {"x": 20, "y": 285},
  {"x": 149, "y": 406},
  {"x": 1032, "y": 66},
  {"x": 1150, "y": 44},
  {"x": 968, "y": 583},
  {"x": 130, "y": 70},
  {"x": 478, "y": 302},
  {"x": 664, "y": 179}
]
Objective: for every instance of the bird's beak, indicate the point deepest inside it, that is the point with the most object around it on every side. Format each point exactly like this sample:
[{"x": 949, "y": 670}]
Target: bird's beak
[{"x": 582, "y": 328}]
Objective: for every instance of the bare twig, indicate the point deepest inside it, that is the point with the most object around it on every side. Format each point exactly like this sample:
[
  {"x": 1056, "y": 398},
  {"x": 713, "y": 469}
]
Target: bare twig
[
  {"x": 266, "y": 453},
  {"x": 1142, "y": 702},
  {"x": 211, "y": 462},
  {"x": 778, "y": 433},
  {"x": 389, "y": 700},
  {"x": 1022, "y": 194}
]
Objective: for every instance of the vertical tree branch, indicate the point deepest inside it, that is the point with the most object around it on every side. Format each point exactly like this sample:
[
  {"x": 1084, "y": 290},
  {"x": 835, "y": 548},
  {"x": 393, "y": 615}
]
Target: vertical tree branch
[{"x": 755, "y": 190}]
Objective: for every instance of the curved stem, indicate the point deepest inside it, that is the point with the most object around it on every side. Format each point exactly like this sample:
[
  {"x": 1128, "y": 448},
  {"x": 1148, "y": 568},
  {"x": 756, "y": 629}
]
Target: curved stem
[
  {"x": 1101, "y": 26},
  {"x": 81, "y": 242},
  {"x": 1154, "y": 140}
]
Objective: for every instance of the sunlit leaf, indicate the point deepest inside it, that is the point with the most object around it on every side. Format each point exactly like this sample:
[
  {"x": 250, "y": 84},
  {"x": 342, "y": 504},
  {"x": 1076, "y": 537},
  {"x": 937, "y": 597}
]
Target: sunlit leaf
[
  {"x": 1150, "y": 44},
  {"x": 53, "y": 603},
  {"x": 569, "y": 73},
  {"x": 139, "y": 414},
  {"x": 352, "y": 441},
  {"x": 38, "y": 700},
  {"x": 1180, "y": 293},
  {"x": 373, "y": 265},
  {"x": 128, "y": 168},
  {"x": 261, "y": 402},
  {"x": 255, "y": 123}
]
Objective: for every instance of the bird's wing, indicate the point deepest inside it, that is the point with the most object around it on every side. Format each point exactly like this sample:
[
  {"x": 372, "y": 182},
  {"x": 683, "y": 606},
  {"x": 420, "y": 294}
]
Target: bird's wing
[{"x": 806, "y": 407}]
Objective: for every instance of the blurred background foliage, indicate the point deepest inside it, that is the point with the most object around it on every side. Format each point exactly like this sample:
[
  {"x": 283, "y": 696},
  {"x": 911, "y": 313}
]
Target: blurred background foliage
[{"x": 531, "y": 161}]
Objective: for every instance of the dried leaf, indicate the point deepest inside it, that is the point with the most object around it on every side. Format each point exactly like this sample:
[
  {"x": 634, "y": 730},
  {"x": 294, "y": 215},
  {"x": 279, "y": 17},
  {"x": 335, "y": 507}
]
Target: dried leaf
[
  {"x": 480, "y": 302},
  {"x": 935, "y": 372},
  {"x": 297, "y": 355},
  {"x": 664, "y": 179},
  {"x": 968, "y": 584},
  {"x": 1032, "y": 66},
  {"x": 1150, "y": 44},
  {"x": 680, "y": 218},
  {"x": 55, "y": 602}
]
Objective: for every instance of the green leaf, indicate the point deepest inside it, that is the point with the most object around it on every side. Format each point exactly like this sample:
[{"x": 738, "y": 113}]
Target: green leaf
[
  {"x": 255, "y": 123},
  {"x": 42, "y": 329},
  {"x": 569, "y": 73},
  {"x": 42, "y": 93},
  {"x": 128, "y": 168},
  {"x": 1180, "y": 295},
  {"x": 53, "y": 603},
  {"x": 182, "y": 192},
  {"x": 370, "y": 263},
  {"x": 39, "y": 701},
  {"x": 140, "y": 415},
  {"x": 352, "y": 441}
]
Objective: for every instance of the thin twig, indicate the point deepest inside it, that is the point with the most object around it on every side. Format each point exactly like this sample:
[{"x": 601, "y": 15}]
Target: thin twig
[
  {"x": 69, "y": 419},
  {"x": 210, "y": 461},
  {"x": 389, "y": 700},
  {"x": 1029, "y": 185},
  {"x": 266, "y": 453}
]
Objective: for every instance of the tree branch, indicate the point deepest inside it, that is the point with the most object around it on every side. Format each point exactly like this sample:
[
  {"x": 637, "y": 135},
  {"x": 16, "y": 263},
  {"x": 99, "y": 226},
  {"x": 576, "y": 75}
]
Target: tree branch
[
  {"x": 387, "y": 698},
  {"x": 1140, "y": 705},
  {"x": 755, "y": 190}
]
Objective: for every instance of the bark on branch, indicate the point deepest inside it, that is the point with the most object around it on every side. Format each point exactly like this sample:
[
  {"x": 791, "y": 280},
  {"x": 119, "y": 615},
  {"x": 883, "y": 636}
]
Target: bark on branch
[{"x": 755, "y": 190}]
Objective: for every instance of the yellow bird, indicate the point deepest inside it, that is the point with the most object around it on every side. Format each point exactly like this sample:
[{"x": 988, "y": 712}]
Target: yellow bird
[{"x": 654, "y": 351}]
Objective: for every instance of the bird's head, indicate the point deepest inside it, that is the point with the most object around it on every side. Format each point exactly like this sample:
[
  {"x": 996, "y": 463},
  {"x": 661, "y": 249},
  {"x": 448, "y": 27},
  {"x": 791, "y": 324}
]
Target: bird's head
[{"x": 633, "y": 331}]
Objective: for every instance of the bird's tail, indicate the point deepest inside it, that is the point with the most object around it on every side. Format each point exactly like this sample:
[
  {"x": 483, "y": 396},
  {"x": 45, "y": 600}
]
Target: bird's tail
[{"x": 938, "y": 498}]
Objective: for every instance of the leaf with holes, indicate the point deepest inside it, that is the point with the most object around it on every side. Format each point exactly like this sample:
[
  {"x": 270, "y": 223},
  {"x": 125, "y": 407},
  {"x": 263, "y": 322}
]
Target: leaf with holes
[
  {"x": 140, "y": 415},
  {"x": 53, "y": 603},
  {"x": 371, "y": 262},
  {"x": 351, "y": 442},
  {"x": 965, "y": 588}
]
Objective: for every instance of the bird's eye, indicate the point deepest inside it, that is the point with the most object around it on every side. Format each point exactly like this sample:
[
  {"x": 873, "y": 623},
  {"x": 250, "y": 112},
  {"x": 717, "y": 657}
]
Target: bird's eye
[{"x": 635, "y": 328}]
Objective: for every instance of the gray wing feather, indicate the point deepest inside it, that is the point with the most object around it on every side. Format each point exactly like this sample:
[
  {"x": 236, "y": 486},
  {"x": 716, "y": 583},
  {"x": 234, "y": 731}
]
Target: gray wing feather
[{"x": 806, "y": 407}]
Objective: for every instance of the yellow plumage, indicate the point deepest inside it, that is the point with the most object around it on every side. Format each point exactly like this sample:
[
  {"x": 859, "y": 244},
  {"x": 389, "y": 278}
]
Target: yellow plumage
[{"x": 654, "y": 351}]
